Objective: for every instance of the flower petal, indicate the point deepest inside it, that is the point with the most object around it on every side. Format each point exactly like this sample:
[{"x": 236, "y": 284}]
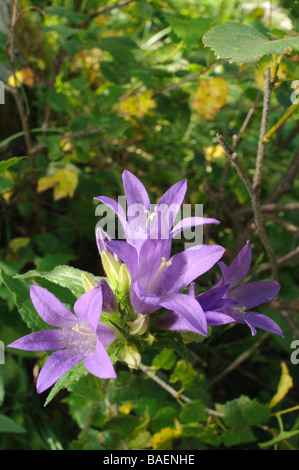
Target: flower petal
[
  {"x": 116, "y": 208},
  {"x": 255, "y": 293},
  {"x": 56, "y": 366},
  {"x": 135, "y": 191},
  {"x": 167, "y": 209},
  {"x": 41, "y": 341},
  {"x": 106, "y": 334},
  {"x": 49, "y": 308},
  {"x": 189, "y": 222},
  {"x": 89, "y": 307},
  {"x": 259, "y": 320},
  {"x": 149, "y": 262},
  {"x": 238, "y": 269},
  {"x": 109, "y": 299},
  {"x": 143, "y": 301},
  {"x": 174, "y": 322},
  {"x": 218, "y": 318},
  {"x": 187, "y": 266},
  {"x": 99, "y": 363},
  {"x": 187, "y": 307},
  {"x": 102, "y": 238}
]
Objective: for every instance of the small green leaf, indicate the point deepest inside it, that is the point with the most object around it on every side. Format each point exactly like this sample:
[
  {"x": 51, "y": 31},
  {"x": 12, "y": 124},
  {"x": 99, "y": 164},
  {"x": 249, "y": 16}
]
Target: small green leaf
[
  {"x": 193, "y": 412},
  {"x": 164, "y": 360},
  {"x": 183, "y": 372},
  {"x": 7, "y": 163}
]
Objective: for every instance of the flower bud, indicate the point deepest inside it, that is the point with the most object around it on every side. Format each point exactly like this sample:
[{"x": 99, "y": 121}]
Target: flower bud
[
  {"x": 149, "y": 339},
  {"x": 124, "y": 278},
  {"x": 111, "y": 267},
  {"x": 139, "y": 326},
  {"x": 87, "y": 281},
  {"x": 131, "y": 356}
]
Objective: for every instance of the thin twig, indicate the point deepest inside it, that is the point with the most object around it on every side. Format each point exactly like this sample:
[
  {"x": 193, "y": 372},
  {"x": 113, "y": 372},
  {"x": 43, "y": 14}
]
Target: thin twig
[
  {"x": 172, "y": 391},
  {"x": 103, "y": 10},
  {"x": 187, "y": 79},
  {"x": 21, "y": 110},
  {"x": 233, "y": 158},
  {"x": 274, "y": 207},
  {"x": 256, "y": 182},
  {"x": 239, "y": 360}
]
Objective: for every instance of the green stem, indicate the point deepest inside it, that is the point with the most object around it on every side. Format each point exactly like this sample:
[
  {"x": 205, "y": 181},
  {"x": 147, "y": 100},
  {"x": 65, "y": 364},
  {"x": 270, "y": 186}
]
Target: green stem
[{"x": 281, "y": 121}]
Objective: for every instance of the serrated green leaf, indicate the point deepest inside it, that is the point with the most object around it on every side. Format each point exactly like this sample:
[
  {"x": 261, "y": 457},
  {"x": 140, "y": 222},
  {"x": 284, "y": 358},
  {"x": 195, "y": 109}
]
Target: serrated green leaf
[
  {"x": 68, "y": 379},
  {"x": 245, "y": 45},
  {"x": 64, "y": 275},
  {"x": 193, "y": 412},
  {"x": 21, "y": 289}
]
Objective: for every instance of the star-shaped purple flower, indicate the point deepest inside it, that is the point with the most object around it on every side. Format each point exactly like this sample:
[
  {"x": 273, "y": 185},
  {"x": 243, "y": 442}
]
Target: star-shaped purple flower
[
  {"x": 78, "y": 337},
  {"x": 227, "y": 302},
  {"x": 143, "y": 221}
]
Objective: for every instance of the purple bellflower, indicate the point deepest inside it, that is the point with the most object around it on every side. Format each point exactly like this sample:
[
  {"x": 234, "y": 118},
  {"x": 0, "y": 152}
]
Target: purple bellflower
[
  {"x": 227, "y": 302},
  {"x": 77, "y": 337},
  {"x": 142, "y": 221},
  {"x": 157, "y": 279}
]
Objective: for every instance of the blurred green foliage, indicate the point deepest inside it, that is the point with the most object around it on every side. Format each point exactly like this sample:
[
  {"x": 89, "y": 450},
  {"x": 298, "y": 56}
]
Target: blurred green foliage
[{"x": 140, "y": 87}]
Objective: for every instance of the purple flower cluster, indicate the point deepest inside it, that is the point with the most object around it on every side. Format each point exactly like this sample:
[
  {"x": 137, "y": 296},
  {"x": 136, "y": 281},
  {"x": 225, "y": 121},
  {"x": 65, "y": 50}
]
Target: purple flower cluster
[{"x": 144, "y": 277}]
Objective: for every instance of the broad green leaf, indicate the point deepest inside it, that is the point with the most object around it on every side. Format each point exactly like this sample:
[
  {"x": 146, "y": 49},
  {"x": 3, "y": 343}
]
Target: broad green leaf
[
  {"x": 21, "y": 289},
  {"x": 9, "y": 425},
  {"x": 245, "y": 45},
  {"x": 64, "y": 275},
  {"x": 7, "y": 163},
  {"x": 193, "y": 412},
  {"x": 190, "y": 30}
]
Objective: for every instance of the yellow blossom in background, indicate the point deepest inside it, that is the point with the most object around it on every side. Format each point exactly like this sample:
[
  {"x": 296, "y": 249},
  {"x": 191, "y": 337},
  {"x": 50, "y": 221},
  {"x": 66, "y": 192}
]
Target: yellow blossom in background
[
  {"x": 7, "y": 192},
  {"x": 136, "y": 106},
  {"x": 259, "y": 73},
  {"x": 163, "y": 439},
  {"x": 126, "y": 408},
  {"x": 210, "y": 97},
  {"x": 19, "y": 242},
  {"x": 64, "y": 183},
  {"x": 23, "y": 76},
  {"x": 214, "y": 152}
]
